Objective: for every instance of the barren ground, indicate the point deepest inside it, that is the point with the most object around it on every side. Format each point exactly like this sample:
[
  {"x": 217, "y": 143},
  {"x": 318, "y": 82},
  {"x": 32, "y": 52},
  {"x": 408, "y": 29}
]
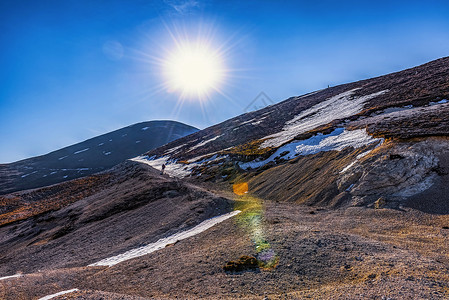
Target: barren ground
[{"x": 349, "y": 253}]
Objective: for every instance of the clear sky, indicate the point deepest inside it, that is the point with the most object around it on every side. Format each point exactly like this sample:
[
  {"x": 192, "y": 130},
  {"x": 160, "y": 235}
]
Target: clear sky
[{"x": 74, "y": 69}]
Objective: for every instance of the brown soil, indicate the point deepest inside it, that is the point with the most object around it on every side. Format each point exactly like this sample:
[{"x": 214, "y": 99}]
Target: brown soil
[{"x": 344, "y": 254}]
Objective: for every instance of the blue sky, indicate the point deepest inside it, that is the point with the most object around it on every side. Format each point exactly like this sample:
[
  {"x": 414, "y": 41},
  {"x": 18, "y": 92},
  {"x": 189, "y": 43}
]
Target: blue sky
[{"x": 73, "y": 69}]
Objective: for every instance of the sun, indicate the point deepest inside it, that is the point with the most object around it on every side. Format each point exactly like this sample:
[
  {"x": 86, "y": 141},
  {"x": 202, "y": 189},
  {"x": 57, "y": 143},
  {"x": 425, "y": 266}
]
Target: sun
[{"x": 194, "y": 70}]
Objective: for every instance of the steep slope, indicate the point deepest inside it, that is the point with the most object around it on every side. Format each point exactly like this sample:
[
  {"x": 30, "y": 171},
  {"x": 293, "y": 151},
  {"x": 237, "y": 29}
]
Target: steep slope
[
  {"x": 91, "y": 156},
  {"x": 347, "y": 145}
]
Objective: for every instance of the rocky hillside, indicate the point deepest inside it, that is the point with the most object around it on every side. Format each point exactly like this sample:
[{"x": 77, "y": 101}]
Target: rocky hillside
[
  {"x": 89, "y": 157},
  {"x": 382, "y": 138}
]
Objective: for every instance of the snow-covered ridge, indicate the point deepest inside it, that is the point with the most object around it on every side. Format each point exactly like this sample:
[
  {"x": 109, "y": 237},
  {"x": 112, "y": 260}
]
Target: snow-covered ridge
[
  {"x": 336, "y": 140},
  {"x": 338, "y": 107},
  {"x": 162, "y": 243}
]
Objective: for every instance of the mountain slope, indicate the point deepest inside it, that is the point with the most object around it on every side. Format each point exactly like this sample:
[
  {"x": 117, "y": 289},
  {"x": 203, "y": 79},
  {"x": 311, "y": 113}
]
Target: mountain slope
[
  {"x": 337, "y": 194},
  {"x": 374, "y": 122},
  {"x": 91, "y": 156}
]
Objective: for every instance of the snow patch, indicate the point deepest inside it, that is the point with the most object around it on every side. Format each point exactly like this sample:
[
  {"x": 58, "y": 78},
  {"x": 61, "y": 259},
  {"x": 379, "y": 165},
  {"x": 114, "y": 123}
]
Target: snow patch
[
  {"x": 356, "y": 159},
  {"x": 336, "y": 140},
  {"x": 101, "y": 144},
  {"x": 162, "y": 243},
  {"x": 254, "y": 121},
  {"x": 23, "y": 176},
  {"x": 174, "y": 149},
  {"x": 145, "y": 128},
  {"x": 58, "y": 294},
  {"x": 11, "y": 276},
  {"x": 106, "y": 153},
  {"x": 348, "y": 167},
  {"x": 443, "y": 101},
  {"x": 61, "y": 158},
  {"x": 338, "y": 107},
  {"x": 172, "y": 167},
  {"x": 81, "y": 151},
  {"x": 138, "y": 142},
  {"x": 204, "y": 143}
]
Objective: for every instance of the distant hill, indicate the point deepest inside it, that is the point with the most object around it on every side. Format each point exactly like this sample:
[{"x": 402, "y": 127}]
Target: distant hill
[{"x": 91, "y": 156}]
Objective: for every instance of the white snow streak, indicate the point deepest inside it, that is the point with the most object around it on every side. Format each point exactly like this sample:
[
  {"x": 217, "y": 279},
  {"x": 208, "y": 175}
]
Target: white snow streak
[
  {"x": 338, "y": 107},
  {"x": 23, "y": 176},
  {"x": 11, "y": 276},
  {"x": 348, "y": 167},
  {"x": 81, "y": 151},
  {"x": 336, "y": 140},
  {"x": 204, "y": 143},
  {"x": 58, "y": 294},
  {"x": 356, "y": 159},
  {"x": 162, "y": 243},
  {"x": 173, "y": 149}
]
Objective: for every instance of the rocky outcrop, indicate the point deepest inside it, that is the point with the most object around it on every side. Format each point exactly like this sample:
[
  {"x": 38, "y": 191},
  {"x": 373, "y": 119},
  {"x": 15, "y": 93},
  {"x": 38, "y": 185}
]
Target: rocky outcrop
[{"x": 394, "y": 171}]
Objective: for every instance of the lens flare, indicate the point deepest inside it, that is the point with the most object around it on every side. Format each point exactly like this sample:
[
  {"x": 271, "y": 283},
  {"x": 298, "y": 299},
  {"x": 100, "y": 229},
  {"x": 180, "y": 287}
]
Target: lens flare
[
  {"x": 240, "y": 188},
  {"x": 251, "y": 219}
]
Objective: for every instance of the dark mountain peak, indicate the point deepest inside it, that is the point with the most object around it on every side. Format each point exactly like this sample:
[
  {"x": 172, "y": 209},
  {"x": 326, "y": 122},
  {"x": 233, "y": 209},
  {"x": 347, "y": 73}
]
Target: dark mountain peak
[{"x": 91, "y": 156}]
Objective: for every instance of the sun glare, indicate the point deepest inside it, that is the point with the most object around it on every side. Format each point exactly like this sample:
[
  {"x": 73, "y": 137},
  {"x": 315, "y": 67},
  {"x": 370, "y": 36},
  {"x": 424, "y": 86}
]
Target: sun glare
[{"x": 194, "y": 70}]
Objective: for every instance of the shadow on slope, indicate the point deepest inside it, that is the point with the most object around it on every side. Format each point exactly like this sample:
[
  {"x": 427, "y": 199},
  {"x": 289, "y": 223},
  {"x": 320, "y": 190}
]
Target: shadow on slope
[
  {"x": 134, "y": 207},
  {"x": 434, "y": 200}
]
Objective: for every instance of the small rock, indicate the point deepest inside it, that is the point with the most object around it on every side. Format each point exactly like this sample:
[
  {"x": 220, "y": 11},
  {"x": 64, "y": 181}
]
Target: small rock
[
  {"x": 380, "y": 203},
  {"x": 244, "y": 263}
]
